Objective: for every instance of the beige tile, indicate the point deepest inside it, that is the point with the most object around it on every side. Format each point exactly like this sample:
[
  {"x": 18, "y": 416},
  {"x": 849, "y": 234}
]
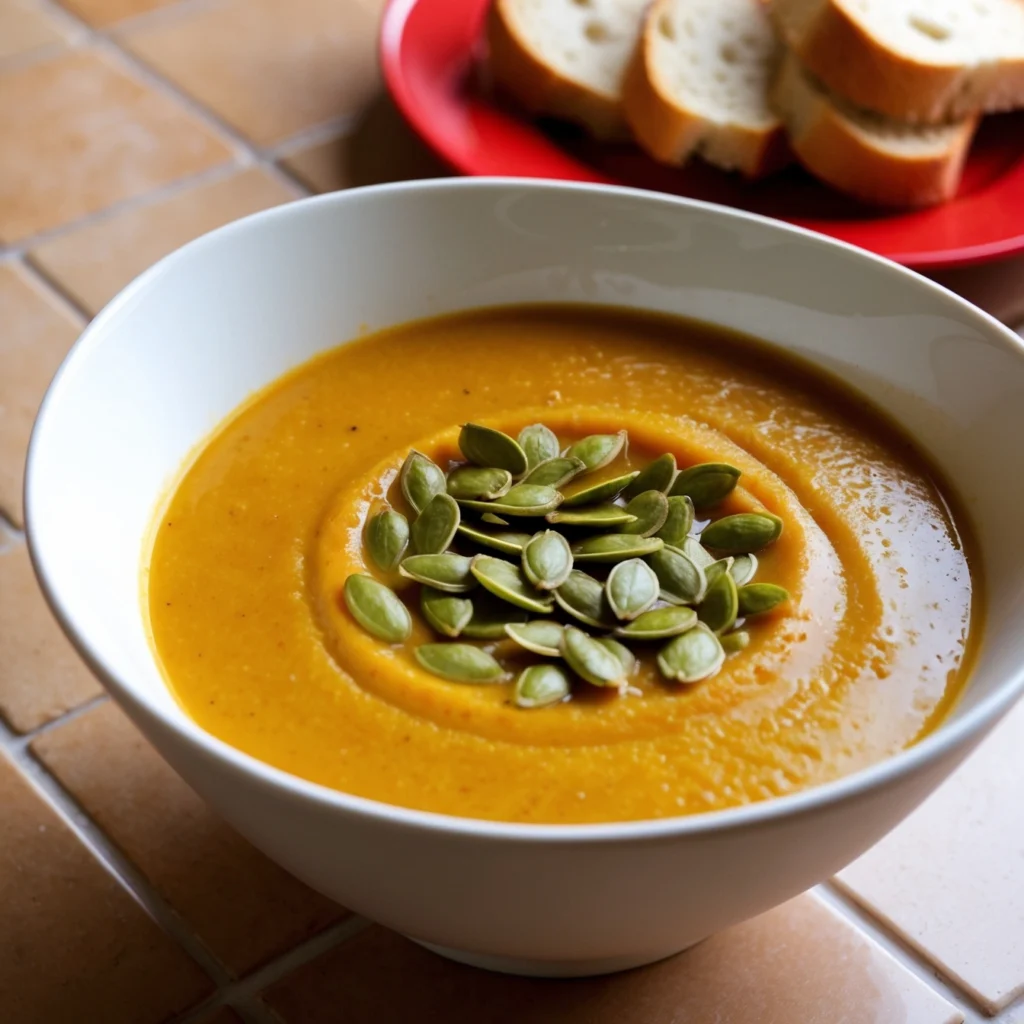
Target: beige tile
[
  {"x": 799, "y": 964},
  {"x": 41, "y": 676},
  {"x": 96, "y": 261},
  {"x": 24, "y": 27},
  {"x": 951, "y": 877},
  {"x": 998, "y": 288},
  {"x": 381, "y": 147},
  {"x": 80, "y": 134},
  {"x": 106, "y": 12},
  {"x": 245, "y": 908},
  {"x": 269, "y": 68},
  {"x": 76, "y": 947},
  {"x": 35, "y": 336}
]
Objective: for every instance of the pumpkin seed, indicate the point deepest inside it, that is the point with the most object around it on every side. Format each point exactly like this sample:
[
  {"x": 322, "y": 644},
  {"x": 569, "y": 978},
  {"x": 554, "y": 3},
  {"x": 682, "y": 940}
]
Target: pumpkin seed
[
  {"x": 632, "y": 588},
  {"x": 756, "y": 598},
  {"x": 743, "y": 569},
  {"x": 478, "y": 482},
  {"x": 655, "y": 476},
  {"x": 491, "y": 617},
  {"x": 691, "y": 656},
  {"x": 490, "y": 517},
  {"x": 540, "y": 636},
  {"x": 539, "y": 686},
  {"x": 539, "y": 444},
  {"x": 434, "y": 528},
  {"x": 678, "y": 521},
  {"x": 607, "y": 490},
  {"x": 720, "y": 605},
  {"x": 733, "y": 643},
  {"x": 460, "y": 663},
  {"x": 555, "y": 472},
  {"x": 706, "y": 484},
  {"x": 659, "y": 623},
  {"x": 743, "y": 533},
  {"x": 651, "y": 511},
  {"x": 547, "y": 560},
  {"x": 716, "y": 568},
  {"x": 590, "y": 660},
  {"x": 505, "y": 581},
  {"x": 505, "y": 541},
  {"x": 598, "y": 450},
  {"x": 595, "y": 517},
  {"x": 582, "y": 597},
  {"x": 521, "y": 500},
  {"x": 387, "y": 537},
  {"x": 419, "y": 480},
  {"x": 691, "y": 547},
  {"x": 446, "y": 614},
  {"x": 682, "y": 580},
  {"x": 614, "y": 547},
  {"x": 627, "y": 659},
  {"x": 377, "y": 608},
  {"x": 447, "y": 572},
  {"x": 485, "y": 446}
]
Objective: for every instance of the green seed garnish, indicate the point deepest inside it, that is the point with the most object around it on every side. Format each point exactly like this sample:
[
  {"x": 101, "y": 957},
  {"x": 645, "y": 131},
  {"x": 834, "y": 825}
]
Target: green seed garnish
[
  {"x": 554, "y": 472},
  {"x": 491, "y": 618},
  {"x": 595, "y": 517},
  {"x": 505, "y": 581},
  {"x": 656, "y": 476},
  {"x": 387, "y": 537},
  {"x": 521, "y": 500},
  {"x": 691, "y": 656},
  {"x": 591, "y": 660},
  {"x": 720, "y": 606},
  {"x": 733, "y": 643},
  {"x": 651, "y": 511},
  {"x": 595, "y": 494},
  {"x": 743, "y": 533},
  {"x": 627, "y": 659},
  {"x": 485, "y": 446},
  {"x": 716, "y": 568},
  {"x": 743, "y": 569},
  {"x": 478, "y": 482},
  {"x": 446, "y": 614},
  {"x": 682, "y": 580},
  {"x": 547, "y": 560},
  {"x": 756, "y": 598},
  {"x": 706, "y": 484},
  {"x": 508, "y": 542},
  {"x": 419, "y": 480},
  {"x": 377, "y": 608},
  {"x": 434, "y": 528},
  {"x": 538, "y": 443},
  {"x": 614, "y": 547},
  {"x": 446, "y": 572},
  {"x": 490, "y": 517},
  {"x": 582, "y": 597},
  {"x": 659, "y": 623},
  {"x": 632, "y": 588},
  {"x": 691, "y": 547},
  {"x": 460, "y": 663},
  {"x": 540, "y": 686},
  {"x": 540, "y": 636},
  {"x": 678, "y": 521},
  {"x": 598, "y": 450}
]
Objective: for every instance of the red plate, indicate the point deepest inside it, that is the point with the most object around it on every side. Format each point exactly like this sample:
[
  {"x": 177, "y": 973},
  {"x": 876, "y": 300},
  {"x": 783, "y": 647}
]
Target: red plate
[{"x": 431, "y": 50}]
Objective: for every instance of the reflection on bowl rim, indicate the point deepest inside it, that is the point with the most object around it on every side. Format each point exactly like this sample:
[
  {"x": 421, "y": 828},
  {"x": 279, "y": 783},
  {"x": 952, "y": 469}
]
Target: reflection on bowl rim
[{"x": 949, "y": 735}]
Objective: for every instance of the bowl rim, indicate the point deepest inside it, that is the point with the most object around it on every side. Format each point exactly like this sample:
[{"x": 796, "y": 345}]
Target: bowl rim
[{"x": 947, "y": 739}]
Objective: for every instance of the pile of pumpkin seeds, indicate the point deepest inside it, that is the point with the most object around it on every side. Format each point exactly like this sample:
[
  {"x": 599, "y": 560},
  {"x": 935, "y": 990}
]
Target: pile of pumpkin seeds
[{"x": 614, "y": 567}]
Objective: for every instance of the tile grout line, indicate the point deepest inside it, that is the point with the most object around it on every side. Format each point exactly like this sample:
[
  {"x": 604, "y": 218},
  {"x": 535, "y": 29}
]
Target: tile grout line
[
  {"x": 108, "y": 856},
  {"x": 54, "y": 289},
  {"x": 902, "y": 951}
]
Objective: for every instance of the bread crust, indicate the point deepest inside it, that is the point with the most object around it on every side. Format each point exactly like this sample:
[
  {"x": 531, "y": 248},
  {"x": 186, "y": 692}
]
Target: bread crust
[
  {"x": 830, "y": 146},
  {"x": 541, "y": 89},
  {"x": 855, "y": 65},
  {"x": 671, "y": 134}
]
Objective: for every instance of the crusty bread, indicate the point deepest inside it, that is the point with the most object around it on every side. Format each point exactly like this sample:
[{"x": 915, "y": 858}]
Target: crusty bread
[
  {"x": 566, "y": 58},
  {"x": 875, "y": 159},
  {"x": 699, "y": 83},
  {"x": 928, "y": 61}
]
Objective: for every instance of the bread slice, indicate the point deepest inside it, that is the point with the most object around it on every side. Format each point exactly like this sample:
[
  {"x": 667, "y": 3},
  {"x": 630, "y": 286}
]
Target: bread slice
[
  {"x": 699, "y": 84},
  {"x": 927, "y": 61},
  {"x": 566, "y": 58},
  {"x": 877, "y": 160}
]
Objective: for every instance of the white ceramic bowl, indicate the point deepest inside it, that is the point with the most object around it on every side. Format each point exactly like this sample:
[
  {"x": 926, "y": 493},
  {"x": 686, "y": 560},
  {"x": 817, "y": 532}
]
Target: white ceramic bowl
[{"x": 186, "y": 343}]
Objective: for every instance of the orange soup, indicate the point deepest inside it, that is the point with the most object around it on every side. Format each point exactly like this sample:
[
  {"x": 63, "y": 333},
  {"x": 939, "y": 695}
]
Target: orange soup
[{"x": 863, "y": 651}]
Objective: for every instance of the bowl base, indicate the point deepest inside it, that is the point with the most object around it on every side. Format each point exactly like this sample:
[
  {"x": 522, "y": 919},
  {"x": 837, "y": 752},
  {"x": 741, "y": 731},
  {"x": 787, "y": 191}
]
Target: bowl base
[{"x": 546, "y": 968}]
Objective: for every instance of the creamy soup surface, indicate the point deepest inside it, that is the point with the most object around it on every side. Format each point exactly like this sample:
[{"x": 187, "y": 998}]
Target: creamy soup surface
[{"x": 253, "y": 548}]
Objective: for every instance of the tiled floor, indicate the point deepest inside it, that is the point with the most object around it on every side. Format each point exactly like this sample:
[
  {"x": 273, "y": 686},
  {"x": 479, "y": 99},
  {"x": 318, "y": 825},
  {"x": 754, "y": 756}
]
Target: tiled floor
[{"x": 128, "y": 127}]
